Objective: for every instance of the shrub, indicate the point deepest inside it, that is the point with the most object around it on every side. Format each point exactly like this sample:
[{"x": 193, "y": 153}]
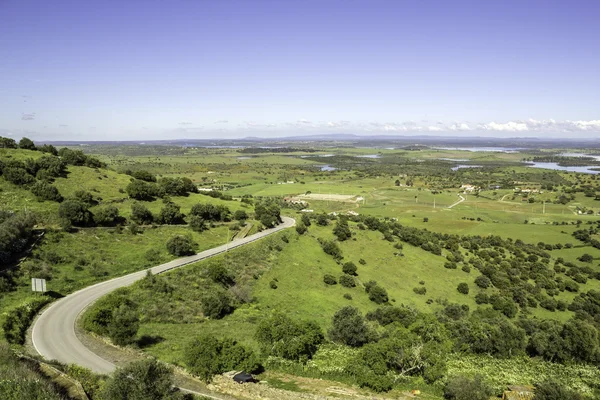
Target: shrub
[
  {"x": 301, "y": 228},
  {"x": 550, "y": 390},
  {"x": 45, "y": 191},
  {"x": 463, "y": 388},
  {"x": 181, "y": 246},
  {"x": 18, "y": 319},
  {"x": 347, "y": 281},
  {"x": 463, "y": 288},
  {"x": 466, "y": 269},
  {"x": 329, "y": 279},
  {"x": 330, "y": 247},
  {"x": 124, "y": 325},
  {"x": 349, "y": 268},
  {"x": 197, "y": 223},
  {"x": 216, "y": 304},
  {"x": 378, "y": 295},
  {"x": 284, "y": 337},
  {"x": 207, "y": 356},
  {"x": 420, "y": 290}
]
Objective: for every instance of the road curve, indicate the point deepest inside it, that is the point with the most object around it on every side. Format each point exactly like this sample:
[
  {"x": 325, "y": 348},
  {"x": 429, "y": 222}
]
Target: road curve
[{"x": 53, "y": 332}]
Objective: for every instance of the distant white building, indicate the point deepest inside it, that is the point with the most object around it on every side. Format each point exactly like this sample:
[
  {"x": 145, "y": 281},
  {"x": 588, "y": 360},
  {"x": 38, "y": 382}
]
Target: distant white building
[{"x": 469, "y": 188}]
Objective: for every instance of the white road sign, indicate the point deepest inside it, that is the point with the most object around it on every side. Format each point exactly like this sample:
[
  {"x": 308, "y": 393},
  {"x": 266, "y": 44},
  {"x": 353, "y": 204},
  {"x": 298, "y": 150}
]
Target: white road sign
[{"x": 38, "y": 285}]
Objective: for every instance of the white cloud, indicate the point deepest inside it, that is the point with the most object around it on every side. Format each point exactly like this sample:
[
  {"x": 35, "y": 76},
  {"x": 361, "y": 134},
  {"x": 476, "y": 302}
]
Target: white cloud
[
  {"x": 506, "y": 127},
  {"x": 459, "y": 126},
  {"x": 435, "y": 129}
]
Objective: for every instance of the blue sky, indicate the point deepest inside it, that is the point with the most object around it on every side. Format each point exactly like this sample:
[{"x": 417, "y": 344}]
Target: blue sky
[{"x": 145, "y": 69}]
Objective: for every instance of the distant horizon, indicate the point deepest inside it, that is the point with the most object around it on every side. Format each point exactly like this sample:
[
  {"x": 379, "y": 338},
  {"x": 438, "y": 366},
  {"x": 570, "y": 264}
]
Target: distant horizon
[{"x": 343, "y": 137}]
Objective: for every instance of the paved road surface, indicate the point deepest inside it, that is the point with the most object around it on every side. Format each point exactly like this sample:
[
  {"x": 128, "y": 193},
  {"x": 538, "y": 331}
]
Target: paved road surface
[
  {"x": 458, "y": 202},
  {"x": 53, "y": 333}
]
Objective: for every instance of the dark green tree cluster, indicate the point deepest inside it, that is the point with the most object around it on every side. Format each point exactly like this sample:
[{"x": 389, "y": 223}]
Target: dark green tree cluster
[
  {"x": 211, "y": 212},
  {"x": 16, "y": 231},
  {"x": 268, "y": 213}
]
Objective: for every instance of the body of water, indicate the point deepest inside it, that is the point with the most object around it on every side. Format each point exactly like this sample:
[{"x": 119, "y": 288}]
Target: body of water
[
  {"x": 327, "y": 167},
  {"x": 453, "y": 159},
  {"x": 245, "y": 158},
  {"x": 492, "y": 149},
  {"x": 597, "y": 158},
  {"x": 556, "y": 167},
  {"x": 370, "y": 156},
  {"x": 318, "y": 155}
]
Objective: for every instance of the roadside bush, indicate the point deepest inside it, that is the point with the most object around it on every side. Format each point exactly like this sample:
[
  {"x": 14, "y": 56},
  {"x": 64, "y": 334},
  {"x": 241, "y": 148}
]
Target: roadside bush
[
  {"x": 18, "y": 319},
  {"x": 124, "y": 325},
  {"x": 180, "y": 245}
]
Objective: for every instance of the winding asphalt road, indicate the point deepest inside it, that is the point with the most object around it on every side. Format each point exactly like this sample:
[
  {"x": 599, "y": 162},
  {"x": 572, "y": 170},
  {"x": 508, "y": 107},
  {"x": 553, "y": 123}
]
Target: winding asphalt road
[{"x": 53, "y": 333}]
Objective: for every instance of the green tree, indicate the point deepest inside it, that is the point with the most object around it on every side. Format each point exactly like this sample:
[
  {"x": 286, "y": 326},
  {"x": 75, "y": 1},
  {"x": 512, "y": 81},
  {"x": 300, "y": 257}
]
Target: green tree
[
  {"x": 180, "y": 245},
  {"x": 349, "y": 327},
  {"x": 107, "y": 216},
  {"x": 76, "y": 213},
  {"x": 170, "y": 214},
  {"x": 141, "y": 190},
  {"x": 27, "y": 144}
]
